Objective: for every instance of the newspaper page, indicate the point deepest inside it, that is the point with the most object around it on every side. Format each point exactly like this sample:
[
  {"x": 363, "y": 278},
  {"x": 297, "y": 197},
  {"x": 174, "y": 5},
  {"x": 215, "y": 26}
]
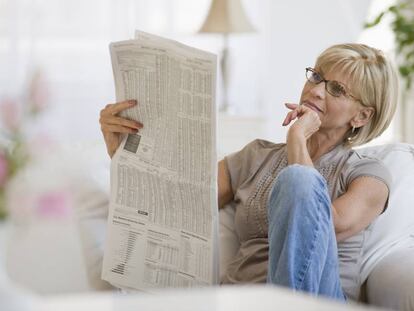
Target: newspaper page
[{"x": 163, "y": 214}]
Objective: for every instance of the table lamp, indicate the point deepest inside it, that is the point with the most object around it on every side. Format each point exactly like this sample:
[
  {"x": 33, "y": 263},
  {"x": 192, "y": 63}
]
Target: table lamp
[{"x": 226, "y": 17}]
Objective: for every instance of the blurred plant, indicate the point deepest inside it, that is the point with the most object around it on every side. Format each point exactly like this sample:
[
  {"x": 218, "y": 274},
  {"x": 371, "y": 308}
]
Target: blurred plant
[
  {"x": 402, "y": 25},
  {"x": 15, "y": 114}
]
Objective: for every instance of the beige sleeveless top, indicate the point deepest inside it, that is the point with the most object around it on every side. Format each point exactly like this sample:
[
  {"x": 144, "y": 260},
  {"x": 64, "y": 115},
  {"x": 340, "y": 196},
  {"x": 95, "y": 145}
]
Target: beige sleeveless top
[{"x": 252, "y": 172}]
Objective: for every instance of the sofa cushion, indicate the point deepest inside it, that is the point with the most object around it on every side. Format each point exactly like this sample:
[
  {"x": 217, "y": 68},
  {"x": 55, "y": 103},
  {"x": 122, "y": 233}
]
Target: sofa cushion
[
  {"x": 391, "y": 282},
  {"x": 228, "y": 239},
  {"x": 58, "y": 205},
  {"x": 394, "y": 229}
]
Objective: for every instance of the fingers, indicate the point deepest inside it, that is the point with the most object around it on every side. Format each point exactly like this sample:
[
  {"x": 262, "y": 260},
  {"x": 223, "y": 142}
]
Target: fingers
[
  {"x": 291, "y": 105},
  {"x": 112, "y": 109},
  {"x": 292, "y": 115},
  {"x": 112, "y": 123},
  {"x": 114, "y": 120},
  {"x": 308, "y": 121},
  {"x": 119, "y": 125},
  {"x": 297, "y": 111},
  {"x": 118, "y": 129}
]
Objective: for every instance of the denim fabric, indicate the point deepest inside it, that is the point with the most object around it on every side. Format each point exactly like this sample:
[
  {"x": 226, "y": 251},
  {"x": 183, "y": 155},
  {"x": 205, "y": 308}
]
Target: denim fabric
[{"x": 302, "y": 244}]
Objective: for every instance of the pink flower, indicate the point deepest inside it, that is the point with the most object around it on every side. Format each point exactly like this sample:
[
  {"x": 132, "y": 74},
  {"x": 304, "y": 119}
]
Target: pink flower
[
  {"x": 3, "y": 169},
  {"x": 54, "y": 205},
  {"x": 10, "y": 113}
]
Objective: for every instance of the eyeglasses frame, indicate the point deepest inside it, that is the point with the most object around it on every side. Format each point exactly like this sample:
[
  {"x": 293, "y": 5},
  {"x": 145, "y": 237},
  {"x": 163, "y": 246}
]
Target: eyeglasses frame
[{"x": 347, "y": 93}]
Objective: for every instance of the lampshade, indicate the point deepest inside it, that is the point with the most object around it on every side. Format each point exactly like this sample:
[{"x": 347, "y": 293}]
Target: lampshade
[{"x": 226, "y": 16}]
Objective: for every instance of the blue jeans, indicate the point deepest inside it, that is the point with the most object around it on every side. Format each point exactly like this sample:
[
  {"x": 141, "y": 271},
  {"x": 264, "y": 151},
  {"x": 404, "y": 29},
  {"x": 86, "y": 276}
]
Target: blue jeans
[{"x": 302, "y": 244}]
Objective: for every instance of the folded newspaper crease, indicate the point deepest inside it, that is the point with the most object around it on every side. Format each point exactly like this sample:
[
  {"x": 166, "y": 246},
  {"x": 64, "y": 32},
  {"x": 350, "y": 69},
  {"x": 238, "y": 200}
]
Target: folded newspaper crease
[{"x": 162, "y": 224}]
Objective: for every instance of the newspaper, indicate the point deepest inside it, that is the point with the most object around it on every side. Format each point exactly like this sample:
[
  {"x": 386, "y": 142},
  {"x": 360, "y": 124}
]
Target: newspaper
[{"x": 163, "y": 213}]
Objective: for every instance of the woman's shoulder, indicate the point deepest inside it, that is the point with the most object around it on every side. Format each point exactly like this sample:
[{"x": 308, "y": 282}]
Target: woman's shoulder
[
  {"x": 260, "y": 150},
  {"x": 356, "y": 156},
  {"x": 359, "y": 164},
  {"x": 262, "y": 145}
]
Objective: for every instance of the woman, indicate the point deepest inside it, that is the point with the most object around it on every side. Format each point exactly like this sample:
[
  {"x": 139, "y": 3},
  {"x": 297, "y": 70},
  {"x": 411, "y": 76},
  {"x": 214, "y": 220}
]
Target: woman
[{"x": 302, "y": 207}]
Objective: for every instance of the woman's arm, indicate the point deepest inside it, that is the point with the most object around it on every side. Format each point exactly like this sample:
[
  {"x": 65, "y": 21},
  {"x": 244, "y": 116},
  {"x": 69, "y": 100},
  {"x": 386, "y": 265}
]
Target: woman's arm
[
  {"x": 353, "y": 211},
  {"x": 297, "y": 151},
  {"x": 360, "y": 204},
  {"x": 305, "y": 126},
  {"x": 225, "y": 193}
]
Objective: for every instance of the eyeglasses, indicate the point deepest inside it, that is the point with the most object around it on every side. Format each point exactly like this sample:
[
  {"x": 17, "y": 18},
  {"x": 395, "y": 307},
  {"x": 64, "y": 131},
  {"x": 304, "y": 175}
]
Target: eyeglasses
[{"x": 335, "y": 88}]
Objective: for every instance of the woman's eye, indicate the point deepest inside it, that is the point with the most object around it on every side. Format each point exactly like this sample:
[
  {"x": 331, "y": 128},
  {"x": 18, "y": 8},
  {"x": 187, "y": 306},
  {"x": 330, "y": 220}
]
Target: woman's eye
[{"x": 338, "y": 89}]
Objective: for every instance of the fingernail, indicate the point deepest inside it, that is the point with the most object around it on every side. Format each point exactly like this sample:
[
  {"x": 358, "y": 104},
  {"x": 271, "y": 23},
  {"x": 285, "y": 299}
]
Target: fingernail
[{"x": 132, "y": 101}]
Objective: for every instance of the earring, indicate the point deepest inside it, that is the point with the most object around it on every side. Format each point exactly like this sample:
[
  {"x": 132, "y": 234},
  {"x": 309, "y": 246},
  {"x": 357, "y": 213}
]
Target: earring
[{"x": 350, "y": 137}]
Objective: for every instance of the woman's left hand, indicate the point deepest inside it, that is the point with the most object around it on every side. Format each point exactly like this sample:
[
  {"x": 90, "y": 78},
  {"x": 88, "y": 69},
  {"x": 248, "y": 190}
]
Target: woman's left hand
[{"x": 307, "y": 123}]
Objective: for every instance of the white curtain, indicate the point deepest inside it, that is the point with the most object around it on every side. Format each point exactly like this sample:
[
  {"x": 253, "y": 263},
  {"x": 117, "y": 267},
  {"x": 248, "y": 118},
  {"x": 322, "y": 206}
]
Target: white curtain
[{"x": 67, "y": 42}]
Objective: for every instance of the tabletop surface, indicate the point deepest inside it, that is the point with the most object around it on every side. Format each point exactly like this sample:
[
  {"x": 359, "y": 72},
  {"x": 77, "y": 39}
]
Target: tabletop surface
[{"x": 225, "y": 298}]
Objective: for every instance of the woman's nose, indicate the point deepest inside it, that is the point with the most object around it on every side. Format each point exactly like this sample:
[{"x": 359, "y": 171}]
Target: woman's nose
[{"x": 318, "y": 90}]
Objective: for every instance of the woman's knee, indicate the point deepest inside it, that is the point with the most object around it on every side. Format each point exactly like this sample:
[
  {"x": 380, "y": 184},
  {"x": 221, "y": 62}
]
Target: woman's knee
[
  {"x": 297, "y": 185},
  {"x": 299, "y": 179}
]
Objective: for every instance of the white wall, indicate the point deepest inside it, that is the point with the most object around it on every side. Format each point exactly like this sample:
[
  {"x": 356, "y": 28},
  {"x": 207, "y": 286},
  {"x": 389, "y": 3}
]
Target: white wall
[
  {"x": 293, "y": 33},
  {"x": 268, "y": 66}
]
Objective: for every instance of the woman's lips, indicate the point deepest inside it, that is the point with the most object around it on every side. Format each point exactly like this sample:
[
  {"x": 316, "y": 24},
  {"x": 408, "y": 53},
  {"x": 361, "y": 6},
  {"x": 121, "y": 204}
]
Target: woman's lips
[{"x": 312, "y": 106}]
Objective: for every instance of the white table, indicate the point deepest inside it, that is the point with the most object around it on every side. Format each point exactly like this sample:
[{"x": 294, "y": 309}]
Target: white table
[{"x": 248, "y": 298}]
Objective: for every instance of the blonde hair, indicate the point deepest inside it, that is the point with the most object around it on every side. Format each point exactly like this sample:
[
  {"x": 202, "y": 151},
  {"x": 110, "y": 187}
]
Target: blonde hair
[{"x": 373, "y": 80}]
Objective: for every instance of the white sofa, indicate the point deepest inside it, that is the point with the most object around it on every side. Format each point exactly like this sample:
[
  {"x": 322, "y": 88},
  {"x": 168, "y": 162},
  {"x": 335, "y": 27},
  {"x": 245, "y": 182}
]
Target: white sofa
[{"x": 76, "y": 242}]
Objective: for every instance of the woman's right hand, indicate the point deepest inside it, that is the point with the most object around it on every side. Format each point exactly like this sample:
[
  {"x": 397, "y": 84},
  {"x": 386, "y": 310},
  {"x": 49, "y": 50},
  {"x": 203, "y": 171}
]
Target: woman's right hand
[
  {"x": 113, "y": 127},
  {"x": 307, "y": 120}
]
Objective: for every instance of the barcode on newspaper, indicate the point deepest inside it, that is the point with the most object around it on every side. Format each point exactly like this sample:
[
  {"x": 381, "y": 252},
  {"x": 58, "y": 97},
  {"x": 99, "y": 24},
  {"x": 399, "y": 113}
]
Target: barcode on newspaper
[{"x": 132, "y": 143}]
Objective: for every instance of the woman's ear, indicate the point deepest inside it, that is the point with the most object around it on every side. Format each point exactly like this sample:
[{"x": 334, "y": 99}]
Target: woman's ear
[{"x": 364, "y": 115}]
